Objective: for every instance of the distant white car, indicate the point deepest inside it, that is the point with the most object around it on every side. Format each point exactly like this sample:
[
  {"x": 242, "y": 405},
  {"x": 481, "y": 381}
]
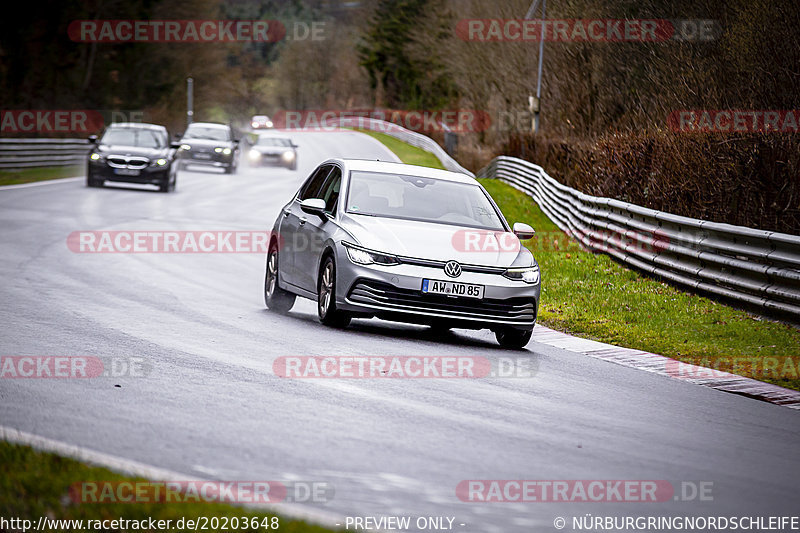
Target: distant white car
[
  {"x": 260, "y": 122},
  {"x": 275, "y": 150}
]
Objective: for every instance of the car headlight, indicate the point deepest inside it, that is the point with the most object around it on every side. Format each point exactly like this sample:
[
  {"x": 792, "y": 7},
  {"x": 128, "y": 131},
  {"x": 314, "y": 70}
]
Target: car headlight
[
  {"x": 269, "y": 124},
  {"x": 226, "y": 151},
  {"x": 527, "y": 274},
  {"x": 254, "y": 124},
  {"x": 95, "y": 156},
  {"x": 362, "y": 256},
  {"x": 254, "y": 154},
  {"x": 288, "y": 156},
  {"x": 186, "y": 147},
  {"x": 161, "y": 162}
]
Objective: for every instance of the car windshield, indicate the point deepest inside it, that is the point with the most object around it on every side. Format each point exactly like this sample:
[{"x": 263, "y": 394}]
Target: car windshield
[
  {"x": 423, "y": 199},
  {"x": 133, "y": 137},
  {"x": 205, "y": 132},
  {"x": 260, "y": 118},
  {"x": 273, "y": 141}
]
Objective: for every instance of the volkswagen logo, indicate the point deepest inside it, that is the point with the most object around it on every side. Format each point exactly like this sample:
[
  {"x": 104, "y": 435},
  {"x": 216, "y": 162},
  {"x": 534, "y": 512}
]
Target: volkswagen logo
[{"x": 452, "y": 269}]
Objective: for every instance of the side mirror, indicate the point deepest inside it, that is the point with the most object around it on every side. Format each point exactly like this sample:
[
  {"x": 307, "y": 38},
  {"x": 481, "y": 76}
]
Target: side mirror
[
  {"x": 93, "y": 139},
  {"x": 177, "y": 136},
  {"x": 313, "y": 206},
  {"x": 523, "y": 231},
  {"x": 175, "y": 144},
  {"x": 236, "y": 141},
  {"x": 294, "y": 146}
]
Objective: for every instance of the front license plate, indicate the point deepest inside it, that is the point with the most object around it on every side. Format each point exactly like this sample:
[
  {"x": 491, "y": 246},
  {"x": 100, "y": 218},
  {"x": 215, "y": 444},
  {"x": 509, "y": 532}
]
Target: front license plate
[
  {"x": 452, "y": 288},
  {"x": 202, "y": 156},
  {"x": 126, "y": 172}
]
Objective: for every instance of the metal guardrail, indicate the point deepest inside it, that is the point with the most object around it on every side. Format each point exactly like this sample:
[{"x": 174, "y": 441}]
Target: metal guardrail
[
  {"x": 411, "y": 137},
  {"x": 18, "y": 154},
  {"x": 756, "y": 267}
]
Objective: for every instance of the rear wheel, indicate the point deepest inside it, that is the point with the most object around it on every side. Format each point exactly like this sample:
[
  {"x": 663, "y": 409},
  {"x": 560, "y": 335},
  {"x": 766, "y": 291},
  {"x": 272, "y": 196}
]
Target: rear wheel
[
  {"x": 326, "y": 297},
  {"x": 513, "y": 338},
  {"x": 275, "y": 298}
]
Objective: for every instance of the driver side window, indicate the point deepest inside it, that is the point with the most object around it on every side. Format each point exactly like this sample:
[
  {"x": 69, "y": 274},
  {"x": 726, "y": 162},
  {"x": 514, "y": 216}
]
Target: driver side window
[
  {"x": 313, "y": 186},
  {"x": 330, "y": 191}
]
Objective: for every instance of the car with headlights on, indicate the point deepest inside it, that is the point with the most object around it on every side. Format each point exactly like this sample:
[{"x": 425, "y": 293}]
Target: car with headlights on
[
  {"x": 209, "y": 144},
  {"x": 260, "y": 122},
  {"x": 403, "y": 243},
  {"x": 132, "y": 153},
  {"x": 274, "y": 150}
]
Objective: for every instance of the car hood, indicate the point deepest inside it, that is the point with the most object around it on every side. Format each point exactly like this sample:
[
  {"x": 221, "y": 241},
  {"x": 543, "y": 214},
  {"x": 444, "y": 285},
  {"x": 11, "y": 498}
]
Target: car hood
[
  {"x": 440, "y": 242},
  {"x": 119, "y": 149}
]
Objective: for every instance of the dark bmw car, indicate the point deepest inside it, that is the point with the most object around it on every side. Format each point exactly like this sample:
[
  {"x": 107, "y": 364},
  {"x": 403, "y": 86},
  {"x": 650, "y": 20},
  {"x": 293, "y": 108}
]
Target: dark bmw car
[
  {"x": 274, "y": 150},
  {"x": 211, "y": 145},
  {"x": 132, "y": 153}
]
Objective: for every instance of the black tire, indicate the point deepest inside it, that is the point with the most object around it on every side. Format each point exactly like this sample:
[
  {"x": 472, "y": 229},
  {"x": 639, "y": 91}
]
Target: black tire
[
  {"x": 513, "y": 338},
  {"x": 294, "y": 165},
  {"x": 275, "y": 298},
  {"x": 91, "y": 182},
  {"x": 168, "y": 185},
  {"x": 326, "y": 296}
]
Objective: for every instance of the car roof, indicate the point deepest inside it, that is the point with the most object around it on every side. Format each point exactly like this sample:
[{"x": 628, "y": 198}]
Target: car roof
[
  {"x": 136, "y": 125},
  {"x": 371, "y": 165},
  {"x": 210, "y": 125}
]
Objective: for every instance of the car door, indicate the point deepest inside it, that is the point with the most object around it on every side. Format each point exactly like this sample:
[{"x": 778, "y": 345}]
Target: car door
[
  {"x": 294, "y": 218},
  {"x": 315, "y": 231}
]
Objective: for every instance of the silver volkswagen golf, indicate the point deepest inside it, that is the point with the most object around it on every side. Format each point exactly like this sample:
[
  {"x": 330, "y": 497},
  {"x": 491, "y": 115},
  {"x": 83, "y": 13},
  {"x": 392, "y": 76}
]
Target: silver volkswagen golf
[{"x": 403, "y": 243}]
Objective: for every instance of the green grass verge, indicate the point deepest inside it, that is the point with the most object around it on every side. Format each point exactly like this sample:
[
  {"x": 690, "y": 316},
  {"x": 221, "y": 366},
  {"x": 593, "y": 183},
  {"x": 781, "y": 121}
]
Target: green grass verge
[
  {"x": 34, "y": 484},
  {"x": 28, "y": 175},
  {"x": 590, "y": 295},
  {"x": 407, "y": 153}
]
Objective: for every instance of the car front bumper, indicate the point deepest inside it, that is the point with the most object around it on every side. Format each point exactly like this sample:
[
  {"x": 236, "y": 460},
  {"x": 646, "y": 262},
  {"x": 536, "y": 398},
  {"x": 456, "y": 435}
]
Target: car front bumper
[
  {"x": 206, "y": 159},
  {"x": 150, "y": 175},
  {"x": 395, "y": 293}
]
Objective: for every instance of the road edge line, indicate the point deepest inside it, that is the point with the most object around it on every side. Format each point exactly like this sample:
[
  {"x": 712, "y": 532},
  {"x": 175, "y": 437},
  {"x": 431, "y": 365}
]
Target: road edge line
[
  {"x": 659, "y": 364},
  {"x": 39, "y": 183}
]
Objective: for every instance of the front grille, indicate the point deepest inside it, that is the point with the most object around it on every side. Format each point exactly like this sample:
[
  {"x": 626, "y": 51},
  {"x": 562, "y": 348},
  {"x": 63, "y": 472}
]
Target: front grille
[
  {"x": 119, "y": 161},
  {"x": 376, "y": 294},
  {"x": 440, "y": 264}
]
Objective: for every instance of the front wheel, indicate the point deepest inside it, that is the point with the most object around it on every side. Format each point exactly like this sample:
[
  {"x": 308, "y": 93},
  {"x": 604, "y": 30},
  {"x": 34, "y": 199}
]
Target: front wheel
[
  {"x": 91, "y": 182},
  {"x": 513, "y": 338},
  {"x": 169, "y": 185},
  {"x": 326, "y": 297},
  {"x": 275, "y": 298}
]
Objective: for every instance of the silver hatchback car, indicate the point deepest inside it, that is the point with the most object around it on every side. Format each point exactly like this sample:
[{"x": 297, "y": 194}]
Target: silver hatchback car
[{"x": 403, "y": 243}]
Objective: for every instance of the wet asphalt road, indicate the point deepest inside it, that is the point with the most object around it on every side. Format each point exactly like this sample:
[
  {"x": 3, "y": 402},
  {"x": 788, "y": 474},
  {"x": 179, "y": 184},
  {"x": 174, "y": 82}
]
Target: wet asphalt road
[{"x": 211, "y": 405}]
